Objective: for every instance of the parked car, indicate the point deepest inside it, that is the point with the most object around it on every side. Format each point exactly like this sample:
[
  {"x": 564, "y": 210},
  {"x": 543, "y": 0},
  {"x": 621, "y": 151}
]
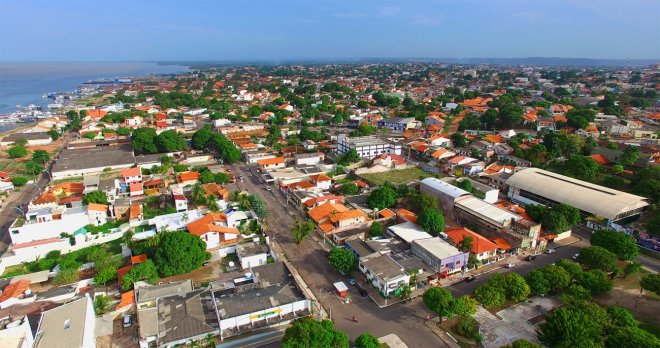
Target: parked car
[
  {"x": 550, "y": 251},
  {"x": 127, "y": 320},
  {"x": 351, "y": 281},
  {"x": 575, "y": 257},
  {"x": 363, "y": 292},
  {"x": 531, "y": 258},
  {"x": 470, "y": 279},
  {"x": 509, "y": 265}
]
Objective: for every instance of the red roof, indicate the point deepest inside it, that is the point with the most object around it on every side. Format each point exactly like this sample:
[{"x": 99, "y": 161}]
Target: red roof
[
  {"x": 135, "y": 171},
  {"x": 187, "y": 176},
  {"x": 136, "y": 187},
  {"x": 127, "y": 299},
  {"x": 138, "y": 258},
  {"x": 15, "y": 290},
  {"x": 122, "y": 271},
  {"x": 480, "y": 244},
  {"x": 600, "y": 159}
]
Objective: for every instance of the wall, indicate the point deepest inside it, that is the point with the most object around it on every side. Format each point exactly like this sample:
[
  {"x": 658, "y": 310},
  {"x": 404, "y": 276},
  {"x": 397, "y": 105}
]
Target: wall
[{"x": 245, "y": 319}]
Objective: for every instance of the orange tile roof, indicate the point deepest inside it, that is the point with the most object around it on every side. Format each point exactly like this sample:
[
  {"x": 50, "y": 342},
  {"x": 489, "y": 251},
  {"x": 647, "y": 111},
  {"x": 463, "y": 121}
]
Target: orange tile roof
[
  {"x": 96, "y": 113},
  {"x": 324, "y": 210},
  {"x": 494, "y": 138},
  {"x": 97, "y": 207},
  {"x": 215, "y": 190},
  {"x": 320, "y": 177},
  {"x": 138, "y": 258},
  {"x": 600, "y": 159},
  {"x": 58, "y": 191},
  {"x": 407, "y": 215},
  {"x": 501, "y": 243},
  {"x": 206, "y": 224},
  {"x": 14, "y": 290},
  {"x": 347, "y": 215},
  {"x": 269, "y": 161},
  {"x": 560, "y": 118},
  {"x": 127, "y": 299},
  {"x": 301, "y": 185},
  {"x": 135, "y": 187},
  {"x": 326, "y": 227},
  {"x": 136, "y": 211},
  {"x": 386, "y": 213},
  {"x": 135, "y": 171},
  {"x": 122, "y": 271},
  {"x": 480, "y": 244},
  {"x": 187, "y": 176}
]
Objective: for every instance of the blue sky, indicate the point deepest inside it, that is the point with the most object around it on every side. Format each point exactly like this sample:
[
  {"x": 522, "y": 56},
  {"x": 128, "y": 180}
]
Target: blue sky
[{"x": 91, "y": 30}]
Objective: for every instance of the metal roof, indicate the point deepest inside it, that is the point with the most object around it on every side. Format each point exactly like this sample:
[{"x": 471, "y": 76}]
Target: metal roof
[
  {"x": 594, "y": 199},
  {"x": 443, "y": 187}
]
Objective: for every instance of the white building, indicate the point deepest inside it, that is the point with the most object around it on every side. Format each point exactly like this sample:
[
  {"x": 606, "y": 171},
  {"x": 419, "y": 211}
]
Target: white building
[
  {"x": 70, "y": 325},
  {"x": 252, "y": 255},
  {"x": 16, "y": 334},
  {"x": 366, "y": 147},
  {"x": 387, "y": 275}
]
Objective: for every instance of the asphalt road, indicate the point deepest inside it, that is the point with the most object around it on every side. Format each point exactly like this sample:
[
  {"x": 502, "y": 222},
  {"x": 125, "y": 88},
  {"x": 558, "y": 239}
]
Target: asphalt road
[{"x": 406, "y": 320}]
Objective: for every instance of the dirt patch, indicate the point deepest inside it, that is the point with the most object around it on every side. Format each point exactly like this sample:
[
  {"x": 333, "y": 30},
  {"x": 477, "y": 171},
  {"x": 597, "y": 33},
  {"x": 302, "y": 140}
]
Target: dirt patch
[{"x": 644, "y": 308}]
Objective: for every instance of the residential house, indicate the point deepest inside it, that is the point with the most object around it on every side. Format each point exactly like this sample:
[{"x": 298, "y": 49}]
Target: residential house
[
  {"x": 387, "y": 275},
  {"x": 271, "y": 163},
  {"x": 6, "y": 183},
  {"x": 482, "y": 248},
  {"x": 398, "y": 124},
  {"x": 98, "y": 213},
  {"x": 389, "y": 161},
  {"x": 309, "y": 158},
  {"x": 321, "y": 182},
  {"x": 216, "y": 233},
  {"x": 252, "y": 254},
  {"x": 440, "y": 140},
  {"x": 443, "y": 258},
  {"x": 69, "y": 325},
  {"x": 180, "y": 202},
  {"x": 188, "y": 178}
]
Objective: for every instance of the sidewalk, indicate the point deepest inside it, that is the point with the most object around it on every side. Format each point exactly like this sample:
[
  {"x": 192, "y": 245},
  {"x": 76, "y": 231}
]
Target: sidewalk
[{"x": 442, "y": 335}]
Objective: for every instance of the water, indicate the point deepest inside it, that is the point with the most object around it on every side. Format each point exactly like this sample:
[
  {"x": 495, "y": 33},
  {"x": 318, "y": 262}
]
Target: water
[{"x": 25, "y": 83}]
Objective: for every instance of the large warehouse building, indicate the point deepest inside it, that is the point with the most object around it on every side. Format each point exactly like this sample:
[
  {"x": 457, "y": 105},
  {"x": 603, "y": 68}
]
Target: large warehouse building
[{"x": 537, "y": 186}]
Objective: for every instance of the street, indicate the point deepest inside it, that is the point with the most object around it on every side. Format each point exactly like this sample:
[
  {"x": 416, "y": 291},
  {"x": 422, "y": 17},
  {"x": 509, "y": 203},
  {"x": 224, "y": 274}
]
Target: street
[{"x": 406, "y": 320}]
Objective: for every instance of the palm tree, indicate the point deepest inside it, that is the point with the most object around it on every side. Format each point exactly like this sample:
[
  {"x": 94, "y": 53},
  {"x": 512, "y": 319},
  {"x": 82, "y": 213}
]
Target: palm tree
[
  {"x": 209, "y": 341},
  {"x": 212, "y": 204},
  {"x": 198, "y": 194}
]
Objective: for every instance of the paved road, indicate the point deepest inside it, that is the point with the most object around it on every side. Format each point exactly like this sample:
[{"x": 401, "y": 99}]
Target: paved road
[
  {"x": 406, "y": 320},
  {"x": 522, "y": 267}
]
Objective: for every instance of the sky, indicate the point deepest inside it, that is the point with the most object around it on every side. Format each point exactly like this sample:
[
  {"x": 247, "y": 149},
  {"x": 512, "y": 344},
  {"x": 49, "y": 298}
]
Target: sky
[{"x": 159, "y": 30}]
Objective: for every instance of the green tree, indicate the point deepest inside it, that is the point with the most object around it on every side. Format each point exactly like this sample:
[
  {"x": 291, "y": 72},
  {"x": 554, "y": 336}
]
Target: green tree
[
  {"x": 33, "y": 167},
  {"x": 522, "y": 343},
  {"x": 571, "y": 267},
  {"x": 201, "y": 138},
  {"x": 596, "y": 257},
  {"x": 489, "y": 295},
  {"x": 466, "y": 243},
  {"x": 621, "y": 244},
  {"x": 101, "y": 304},
  {"x": 143, "y": 271},
  {"x": 557, "y": 277},
  {"x": 621, "y": 317},
  {"x": 651, "y": 282},
  {"x": 631, "y": 337},
  {"x": 350, "y": 189},
  {"x": 143, "y": 140},
  {"x": 632, "y": 268},
  {"x": 66, "y": 276},
  {"x": 169, "y": 141},
  {"x": 19, "y": 181},
  {"x": 423, "y": 201},
  {"x": 566, "y": 327},
  {"x": 458, "y": 139},
  {"x": 439, "y": 301},
  {"x": 466, "y": 185},
  {"x": 179, "y": 253},
  {"x": 376, "y": 229},
  {"x": 516, "y": 287},
  {"x": 90, "y": 135},
  {"x": 309, "y": 333},
  {"x": 431, "y": 220},
  {"x": 596, "y": 281},
  {"x": 405, "y": 292},
  {"x": 17, "y": 152},
  {"x": 105, "y": 275},
  {"x": 258, "y": 206},
  {"x": 342, "y": 260},
  {"x": 464, "y": 306},
  {"x": 301, "y": 230},
  {"x": 581, "y": 167},
  {"x": 367, "y": 340},
  {"x": 537, "y": 282},
  {"x": 98, "y": 197},
  {"x": 382, "y": 197},
  {"x": 630, "y": 155},
  {"x": 40, "y": 156},
  {"x": 349, "y": 157}
]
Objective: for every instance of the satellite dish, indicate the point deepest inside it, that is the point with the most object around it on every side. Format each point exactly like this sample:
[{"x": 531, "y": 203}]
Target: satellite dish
[{"x": 231, "y": 263}]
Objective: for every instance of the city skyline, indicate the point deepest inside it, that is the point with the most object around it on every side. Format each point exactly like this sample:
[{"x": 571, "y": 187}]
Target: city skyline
[{"x": 297, "y": 30}]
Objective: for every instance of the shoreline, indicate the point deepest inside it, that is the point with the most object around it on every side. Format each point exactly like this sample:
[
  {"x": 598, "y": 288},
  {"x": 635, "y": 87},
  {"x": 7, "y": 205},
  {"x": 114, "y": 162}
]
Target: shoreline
[{"x": 15, "y": 130}]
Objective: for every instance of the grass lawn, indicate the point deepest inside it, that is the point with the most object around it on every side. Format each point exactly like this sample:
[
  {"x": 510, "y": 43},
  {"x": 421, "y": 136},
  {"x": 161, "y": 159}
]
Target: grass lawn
[
  {"x": 12, "y": 271},
  {"x": 397, "y": 176},
  {"x": 71, "y": 179}
]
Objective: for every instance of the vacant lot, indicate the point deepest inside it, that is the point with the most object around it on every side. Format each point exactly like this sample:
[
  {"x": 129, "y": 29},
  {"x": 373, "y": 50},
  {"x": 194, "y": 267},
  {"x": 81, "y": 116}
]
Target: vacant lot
[{"x": 397, "y": 176}]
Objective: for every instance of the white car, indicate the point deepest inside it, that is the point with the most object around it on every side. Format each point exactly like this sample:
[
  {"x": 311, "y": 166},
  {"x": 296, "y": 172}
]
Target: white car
[
  {"x": 550, "y": 251},
  {"x": 509, "y": 265},
  {"x": 127, "y": 321}
]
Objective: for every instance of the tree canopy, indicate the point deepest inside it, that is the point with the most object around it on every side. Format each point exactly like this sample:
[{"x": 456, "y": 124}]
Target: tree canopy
[
  {"x": 310, "y": 333},
  {"x": 596, "y": 257},
  {"x": 179, "y": 253},
  {"x": 367, "y": 340},
  {"x": 145, "y": 271},
  {"x": 431, "y": 220},
  {"x": 382, "y": 197},
  {"x": 620, "y": 243},
  {"x": 98, "y": 197},
  {"x": 342, "y": 260}
]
